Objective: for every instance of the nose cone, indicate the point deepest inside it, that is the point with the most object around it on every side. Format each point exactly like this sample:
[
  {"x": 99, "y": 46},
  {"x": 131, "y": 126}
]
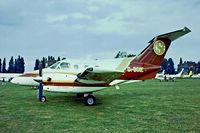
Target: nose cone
[
  {"x": 15, "y": 80},
  {"x": 38, "y": 79}
]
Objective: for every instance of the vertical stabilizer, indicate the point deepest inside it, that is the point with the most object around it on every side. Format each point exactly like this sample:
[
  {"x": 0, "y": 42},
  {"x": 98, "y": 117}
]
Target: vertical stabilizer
[{"x": 147, "y": 63}]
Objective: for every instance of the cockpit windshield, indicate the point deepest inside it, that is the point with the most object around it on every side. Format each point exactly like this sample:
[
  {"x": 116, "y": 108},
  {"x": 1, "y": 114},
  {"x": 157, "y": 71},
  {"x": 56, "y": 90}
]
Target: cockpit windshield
[
  {"x": 54, "y": 65},
  {"x": 64, "y": 65}
]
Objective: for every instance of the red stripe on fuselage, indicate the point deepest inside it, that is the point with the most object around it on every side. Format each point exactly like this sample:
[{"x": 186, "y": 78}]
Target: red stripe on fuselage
[{"x": 73, "y": 84}]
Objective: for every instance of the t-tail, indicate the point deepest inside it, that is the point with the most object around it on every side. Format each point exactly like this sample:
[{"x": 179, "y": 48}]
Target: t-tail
[
  {"x": 148, "y": 62},
  {"x": 180, "y": 73},
  {"x": 190, "y": 73}
]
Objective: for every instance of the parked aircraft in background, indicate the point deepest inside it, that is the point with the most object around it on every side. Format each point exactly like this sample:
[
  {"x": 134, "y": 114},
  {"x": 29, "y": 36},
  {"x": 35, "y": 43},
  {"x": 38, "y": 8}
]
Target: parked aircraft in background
[
  {"x": 85, "y": 77},
  {"x": 8, "y": 76},
  {"x": 195, "y": 76},
  {"x": 168, "y": 77},
  {"x": 160, "y": 76},
  {"x": 189, "y": 75},
  {"x": 26, "y": 78}
]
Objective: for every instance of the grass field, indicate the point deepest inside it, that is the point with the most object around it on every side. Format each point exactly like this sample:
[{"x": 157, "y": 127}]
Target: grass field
[{"x": 149, "y": 106}]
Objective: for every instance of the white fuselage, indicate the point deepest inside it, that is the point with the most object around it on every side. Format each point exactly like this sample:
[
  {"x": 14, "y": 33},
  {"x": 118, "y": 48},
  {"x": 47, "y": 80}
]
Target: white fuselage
[
  {"x": 167, "y": 77},
  {"x": 64, "y": 73},
  {"x": 195, "y": 76}
]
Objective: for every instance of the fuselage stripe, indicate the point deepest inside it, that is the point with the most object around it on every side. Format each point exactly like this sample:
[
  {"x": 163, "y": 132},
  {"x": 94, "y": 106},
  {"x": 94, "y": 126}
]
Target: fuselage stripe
[{"x": 74, "y": 84}]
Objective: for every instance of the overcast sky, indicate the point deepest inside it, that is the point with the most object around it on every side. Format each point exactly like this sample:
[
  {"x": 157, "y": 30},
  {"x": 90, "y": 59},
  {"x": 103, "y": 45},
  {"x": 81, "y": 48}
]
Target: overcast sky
[{"x": 95, "y": 28}]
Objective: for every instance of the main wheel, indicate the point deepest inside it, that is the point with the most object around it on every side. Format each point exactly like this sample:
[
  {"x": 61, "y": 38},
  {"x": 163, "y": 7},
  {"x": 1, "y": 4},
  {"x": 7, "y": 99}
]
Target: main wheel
[
  {"x": 90, "y": 100},
  {"x": 43, "y": 99}
]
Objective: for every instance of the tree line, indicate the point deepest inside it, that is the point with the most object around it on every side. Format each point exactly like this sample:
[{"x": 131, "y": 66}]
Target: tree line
[
  {"x": 18, "y": 65},
  {"x": 168, "y": 66},
  {"x": 15, "y": 65}
]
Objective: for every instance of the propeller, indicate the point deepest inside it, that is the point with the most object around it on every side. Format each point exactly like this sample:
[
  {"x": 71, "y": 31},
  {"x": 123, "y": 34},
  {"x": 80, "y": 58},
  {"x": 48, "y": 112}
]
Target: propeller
[
  {"x": 40, "y": 88},
  {"x": 39, "y": 78},
  {"x": 40, "y": 69}
]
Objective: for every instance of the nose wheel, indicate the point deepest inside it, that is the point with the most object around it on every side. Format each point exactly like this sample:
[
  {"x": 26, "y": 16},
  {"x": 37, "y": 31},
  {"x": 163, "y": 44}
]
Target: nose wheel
[{"x": 43, "y": 99}]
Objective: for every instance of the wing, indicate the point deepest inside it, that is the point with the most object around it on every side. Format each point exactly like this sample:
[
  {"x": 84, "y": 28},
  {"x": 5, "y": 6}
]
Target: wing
[{"x": 96, "y": 75}]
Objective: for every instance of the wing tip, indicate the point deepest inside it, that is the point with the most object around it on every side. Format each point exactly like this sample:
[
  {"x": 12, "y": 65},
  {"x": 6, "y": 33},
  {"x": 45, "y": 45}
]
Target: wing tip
[{"x": 186, "y": 29}]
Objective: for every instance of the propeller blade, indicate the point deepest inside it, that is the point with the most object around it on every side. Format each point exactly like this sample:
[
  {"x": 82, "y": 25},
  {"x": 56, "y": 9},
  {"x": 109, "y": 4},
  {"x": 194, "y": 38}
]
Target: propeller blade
[{"x": 40, "y": 69}]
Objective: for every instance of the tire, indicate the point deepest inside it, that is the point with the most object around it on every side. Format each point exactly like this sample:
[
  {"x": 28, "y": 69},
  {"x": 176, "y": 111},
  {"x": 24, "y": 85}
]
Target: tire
[
  {"x": 43, "y": 99},
  {"x": 90, "y": 100}
]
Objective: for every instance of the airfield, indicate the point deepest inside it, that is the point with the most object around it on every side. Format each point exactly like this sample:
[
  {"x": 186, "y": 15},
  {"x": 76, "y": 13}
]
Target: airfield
[{"x": 149, "y": 106}]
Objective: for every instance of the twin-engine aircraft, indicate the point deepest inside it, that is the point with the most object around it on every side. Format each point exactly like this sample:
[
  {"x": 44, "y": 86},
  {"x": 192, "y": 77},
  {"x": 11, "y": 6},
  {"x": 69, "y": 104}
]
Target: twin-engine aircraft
[{"x": 84, "y": 77}]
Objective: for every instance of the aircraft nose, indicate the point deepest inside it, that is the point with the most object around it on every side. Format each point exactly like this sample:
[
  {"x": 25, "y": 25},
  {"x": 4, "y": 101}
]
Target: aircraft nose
[
  {"x": 38, "y": 79},
  {"x": 15, "y": 80}
]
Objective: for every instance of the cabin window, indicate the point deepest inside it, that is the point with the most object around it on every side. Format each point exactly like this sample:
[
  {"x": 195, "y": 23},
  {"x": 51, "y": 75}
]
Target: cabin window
[
  {"x": 64, "y": 65},
  {"x": 75, "y": 67}
]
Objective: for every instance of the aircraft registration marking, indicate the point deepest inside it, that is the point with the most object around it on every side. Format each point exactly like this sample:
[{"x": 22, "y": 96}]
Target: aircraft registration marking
[{"x": 135, "y": 69}]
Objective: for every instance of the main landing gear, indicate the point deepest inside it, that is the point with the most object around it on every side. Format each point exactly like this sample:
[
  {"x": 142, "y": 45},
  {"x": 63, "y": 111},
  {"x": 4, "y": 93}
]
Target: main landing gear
[{"x": 89, "y": 99}]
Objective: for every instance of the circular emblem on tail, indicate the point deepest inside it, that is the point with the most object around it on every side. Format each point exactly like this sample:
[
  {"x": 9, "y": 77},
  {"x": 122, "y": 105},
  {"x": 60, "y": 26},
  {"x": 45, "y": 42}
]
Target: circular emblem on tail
[{"x": 159, "y": 47}]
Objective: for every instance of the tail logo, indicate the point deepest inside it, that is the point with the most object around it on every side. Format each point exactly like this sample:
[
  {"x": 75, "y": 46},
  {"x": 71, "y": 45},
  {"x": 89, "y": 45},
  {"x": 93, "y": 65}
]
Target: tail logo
[{"x": 159, "y": 47}]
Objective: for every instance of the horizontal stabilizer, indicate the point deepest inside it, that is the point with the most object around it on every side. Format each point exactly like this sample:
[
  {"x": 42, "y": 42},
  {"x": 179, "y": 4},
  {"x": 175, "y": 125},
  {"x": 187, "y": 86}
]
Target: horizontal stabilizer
[{"x": 172, "y": 35}]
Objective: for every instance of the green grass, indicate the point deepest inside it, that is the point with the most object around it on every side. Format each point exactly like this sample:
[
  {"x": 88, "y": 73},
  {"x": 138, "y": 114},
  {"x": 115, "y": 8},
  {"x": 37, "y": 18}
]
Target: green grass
[{"x": 149, "y": 106}]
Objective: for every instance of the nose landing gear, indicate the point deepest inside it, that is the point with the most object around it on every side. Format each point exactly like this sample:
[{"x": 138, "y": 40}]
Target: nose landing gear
[{"x": 41, "y": 98}]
